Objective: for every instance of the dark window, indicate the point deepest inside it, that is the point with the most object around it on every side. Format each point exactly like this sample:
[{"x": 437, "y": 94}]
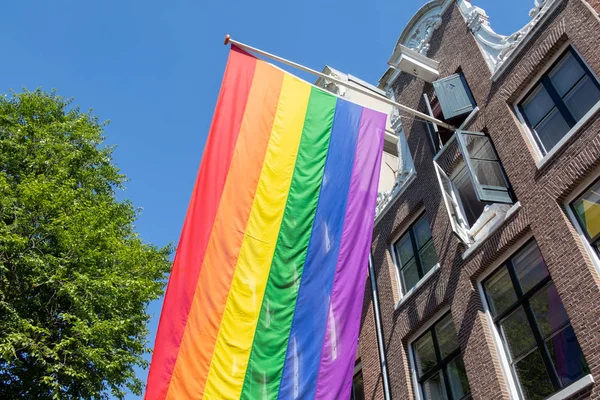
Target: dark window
[
  {"x": 358, "y": 389},
  {"x": 537, "y": 335},
  {"x": 439, "y": 364},
  {"x": 587, "y": 211},
  {"x": 561, "y": 98},
  {"x": 415, "y": 253}
]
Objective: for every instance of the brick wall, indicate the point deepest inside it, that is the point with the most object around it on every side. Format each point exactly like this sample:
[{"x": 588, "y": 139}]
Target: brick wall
[{"x": 541, "y": 193}]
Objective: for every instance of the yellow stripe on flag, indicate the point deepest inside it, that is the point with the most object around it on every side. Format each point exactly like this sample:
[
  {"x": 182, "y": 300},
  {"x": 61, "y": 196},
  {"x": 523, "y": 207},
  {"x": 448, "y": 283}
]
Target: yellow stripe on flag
[{"x": 236, "y": 334}]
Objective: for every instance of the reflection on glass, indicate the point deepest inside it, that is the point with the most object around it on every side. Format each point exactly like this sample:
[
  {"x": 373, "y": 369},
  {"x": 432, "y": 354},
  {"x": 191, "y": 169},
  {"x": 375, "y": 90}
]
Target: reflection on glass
[
  {"x": 552, "y": 129},
  {"x": 422, "y": 232},
  {"x": 587, "y": 210},
  {"x": 530, "y": 267},
  {"x": 410, "y": 275},
  {"x": 405, "y": 249},
  {"x": 500, "y": 292},
  {"x": 566, "y": 74},
  {"x": 517, "y": 333},
  {"x": 582, "y": 98},
  {"x": 533, "y": 378},
  {"x": 425, "y": 354},
  {"x": 537, "y": 105},
  {"x": 433, "y": 389},
  {"x": 548, "y": 309},
  {"x": 428, "y": 257},
  {"x": 566, "y": 356},
  {"x": 457, "y": 376},
  {"x": 446, "y": 335}
]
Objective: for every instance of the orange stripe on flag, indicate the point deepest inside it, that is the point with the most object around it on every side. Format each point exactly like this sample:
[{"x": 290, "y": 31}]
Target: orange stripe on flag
[{"x": 197, "y": 347}]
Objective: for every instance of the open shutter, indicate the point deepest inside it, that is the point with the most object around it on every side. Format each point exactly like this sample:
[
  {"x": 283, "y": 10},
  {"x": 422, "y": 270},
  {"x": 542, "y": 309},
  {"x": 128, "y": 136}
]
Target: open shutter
[
  {"x": 484, "y": 166},
  {"x": 454, "y": 95},
  {"x": 457, "y": 221}
]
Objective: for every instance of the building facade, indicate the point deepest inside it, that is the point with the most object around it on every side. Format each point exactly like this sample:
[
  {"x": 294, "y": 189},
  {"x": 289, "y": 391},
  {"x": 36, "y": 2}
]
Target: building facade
[{"x": 485, "y": 267}]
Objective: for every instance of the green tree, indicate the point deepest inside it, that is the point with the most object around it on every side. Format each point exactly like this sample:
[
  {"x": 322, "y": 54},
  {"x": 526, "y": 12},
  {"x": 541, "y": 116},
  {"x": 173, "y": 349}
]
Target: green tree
[{"x": 75, "y": 277}]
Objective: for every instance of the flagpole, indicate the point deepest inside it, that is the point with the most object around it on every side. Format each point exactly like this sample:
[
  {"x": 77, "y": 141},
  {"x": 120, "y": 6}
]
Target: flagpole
[{"x": 408, "y": 110}]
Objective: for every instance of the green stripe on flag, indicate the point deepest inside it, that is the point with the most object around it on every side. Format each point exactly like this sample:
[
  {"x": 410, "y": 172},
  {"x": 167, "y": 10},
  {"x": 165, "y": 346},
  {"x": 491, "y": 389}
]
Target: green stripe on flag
[{"x": 267, "y": 357}]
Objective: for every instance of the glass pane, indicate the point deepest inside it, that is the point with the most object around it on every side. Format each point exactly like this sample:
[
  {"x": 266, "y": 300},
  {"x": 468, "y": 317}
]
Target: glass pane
[
  {"x": 479, "y": 147},
  {"x": 537, "y": 105},
  {"x": 358, "y": 391},
  {"x": 410, "y": 275},
  {"x": 587, "y": 209},
  {"x": 404, "y": 249},
  {"x": 446, "y": 335},
  {"x": 428, "y": 257},
  {"x": 582, "y": 98},
  {"x": 533, "y": 377},
  {"x": 471, "y": 206},
  {"x": 425, "y": 354},
  {"x": 567, "y": 356},
  {"x": 517, "y": 333},
  {"x": 433, "y": 389},
  {"x": 422, "y": 232},
  {"x": 552, "y": 129},
  {"x": 500, "y": 292},
  {"x": 457, "y": 376},
  {"x": 488, "y": 173},
  {"x": 529, "y": 267},
  {"x": 566, "y": 73},
  {"x": 548, "y": 309}
]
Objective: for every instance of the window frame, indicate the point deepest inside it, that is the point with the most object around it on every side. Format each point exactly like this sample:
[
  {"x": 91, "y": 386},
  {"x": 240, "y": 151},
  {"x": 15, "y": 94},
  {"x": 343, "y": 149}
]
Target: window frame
[
  {"x": 398, "y": 261},
  {"x": 523, "y": 301},
  {"x": 543, "y": 80},
  {"x": 592, "y": 252},
  {"x": 461, "y": 227},
  {"x": 591, "y": 240},
  {"x": 442, "y": 363}
]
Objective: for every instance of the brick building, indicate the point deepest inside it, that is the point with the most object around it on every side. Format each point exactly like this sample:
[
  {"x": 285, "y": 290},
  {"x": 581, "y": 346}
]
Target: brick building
[{"x": 485, "y": 273}]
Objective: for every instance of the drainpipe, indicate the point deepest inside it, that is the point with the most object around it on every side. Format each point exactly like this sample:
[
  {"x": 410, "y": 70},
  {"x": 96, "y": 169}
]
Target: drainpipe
[{"x": 379, "y": 329}]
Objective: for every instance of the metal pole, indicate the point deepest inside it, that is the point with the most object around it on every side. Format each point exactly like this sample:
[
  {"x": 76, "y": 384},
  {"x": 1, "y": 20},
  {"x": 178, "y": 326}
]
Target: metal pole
[
  {"x": 379, "y": 329},
  {"x": 366, "y": 92}
]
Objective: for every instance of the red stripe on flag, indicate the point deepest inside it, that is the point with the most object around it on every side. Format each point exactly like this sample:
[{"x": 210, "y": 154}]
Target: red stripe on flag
[{"x": 198, "y": 224}]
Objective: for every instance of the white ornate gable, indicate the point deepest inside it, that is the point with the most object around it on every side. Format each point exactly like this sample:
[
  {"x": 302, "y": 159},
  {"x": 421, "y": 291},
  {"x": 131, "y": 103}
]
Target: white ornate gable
[{"x": 497, "y": 49}]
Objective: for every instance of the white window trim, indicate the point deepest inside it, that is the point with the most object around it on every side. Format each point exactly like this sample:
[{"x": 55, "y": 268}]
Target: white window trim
[
  {"x": 411, "y": 360},
  {"x": 421, "y": 282},
  {"x": 404, "y": 296},
  {"x": 539, "y": 157},
  {"x": 515, "y": 207},
  {"x": 573, "y": 388},
  {"x": 567, "y": 205},
  {"x": 513, "y": 386}
]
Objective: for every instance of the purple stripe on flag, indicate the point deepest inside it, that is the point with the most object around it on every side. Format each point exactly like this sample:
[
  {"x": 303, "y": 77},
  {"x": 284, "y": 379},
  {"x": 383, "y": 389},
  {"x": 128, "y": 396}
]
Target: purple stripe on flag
[{"x": 343, "y": 321}]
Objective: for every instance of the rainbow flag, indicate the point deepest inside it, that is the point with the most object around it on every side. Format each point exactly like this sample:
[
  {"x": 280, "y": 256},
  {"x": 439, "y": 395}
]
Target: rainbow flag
[{"x": 265, "y": 297}]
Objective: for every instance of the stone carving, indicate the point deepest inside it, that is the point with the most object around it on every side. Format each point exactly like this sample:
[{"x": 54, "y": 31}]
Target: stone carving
[
  {"x": 421, "y": 36},
  {"x": 333, "y": 86},
  {"x": 406, "y": 168},
  {"x": 498, "y": 48}
]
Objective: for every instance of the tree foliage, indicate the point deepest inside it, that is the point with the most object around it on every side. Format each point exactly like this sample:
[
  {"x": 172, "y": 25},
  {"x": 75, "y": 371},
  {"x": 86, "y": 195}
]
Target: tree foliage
[{"x": 75, "y": 277}]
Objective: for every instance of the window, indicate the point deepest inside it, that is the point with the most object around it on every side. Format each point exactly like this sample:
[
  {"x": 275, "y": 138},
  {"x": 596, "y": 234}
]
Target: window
[
  {"x": 473, "y": 184},
  {"x": 453, "y": 103},
  {"x": 587, "y": 211},
  {"x": 538, "y": 338},
  {"x": 439, "y": 365},
  {"x": 415, "y": 254},
  {"x": 358, "y": 388},
  {"x": 561, "y": 98}
]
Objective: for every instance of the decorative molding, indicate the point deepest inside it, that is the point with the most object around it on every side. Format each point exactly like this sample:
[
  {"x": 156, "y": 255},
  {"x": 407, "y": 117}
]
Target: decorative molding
[{"x": 498, "y": 49}]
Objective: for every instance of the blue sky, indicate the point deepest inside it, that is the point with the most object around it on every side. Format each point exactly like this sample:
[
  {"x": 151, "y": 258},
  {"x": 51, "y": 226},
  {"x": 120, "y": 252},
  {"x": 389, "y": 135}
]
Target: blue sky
[{"x": 154, "y": 69}]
